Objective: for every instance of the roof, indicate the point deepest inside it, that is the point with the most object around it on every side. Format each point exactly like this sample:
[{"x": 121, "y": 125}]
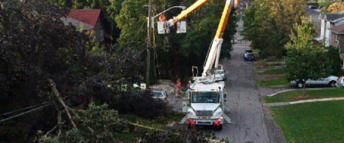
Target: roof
[
  {"x": 86, "y": 16},
  {"x": 333, "y": 16},
  {"x": 214, "y": 86},
  {"x": 339, "y": 29}
]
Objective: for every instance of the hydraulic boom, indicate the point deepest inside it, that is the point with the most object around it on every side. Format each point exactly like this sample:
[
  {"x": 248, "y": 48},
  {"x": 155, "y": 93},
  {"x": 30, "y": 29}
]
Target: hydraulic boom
[
  {"x": 207, "y": 95},
  {"x": 213, "y": 56}
]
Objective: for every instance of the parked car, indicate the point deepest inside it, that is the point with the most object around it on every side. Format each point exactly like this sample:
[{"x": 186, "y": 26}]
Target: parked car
[
  {"x": 328, "y": 81},
  {"x": 159, "y": 94},
  {"x": 248, "y": 55},
  {"x": 340, "y": 82},
  {"x": 313, "y": 7}
]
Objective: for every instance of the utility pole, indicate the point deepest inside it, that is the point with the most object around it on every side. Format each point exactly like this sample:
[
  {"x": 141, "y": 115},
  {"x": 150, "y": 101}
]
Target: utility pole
[{"x": 148, "y": 43}]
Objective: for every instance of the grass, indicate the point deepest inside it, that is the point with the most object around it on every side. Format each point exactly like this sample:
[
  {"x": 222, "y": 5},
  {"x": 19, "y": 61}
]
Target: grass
[
  {"x": 273, "y": 71},
  {"x": 280, "y": 82},
  {"x": 310, "y": 94},
  {"x": 265, "y": 63},
  {"x": 271, "y": 74},
  {"x": 321, "y": 122}
]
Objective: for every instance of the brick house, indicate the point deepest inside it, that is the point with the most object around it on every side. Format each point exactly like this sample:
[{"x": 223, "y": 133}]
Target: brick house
[
  {"x": 86, "y": 20},
  {"x": 338, "y": 39}
]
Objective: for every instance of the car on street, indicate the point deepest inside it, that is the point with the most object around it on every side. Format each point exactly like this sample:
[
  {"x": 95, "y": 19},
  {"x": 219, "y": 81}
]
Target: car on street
[
  {"x": 248, "y": 56},
  {"x": 159, "y": 94},
  {"x": 330, "y": 81},
  {"x": 340, "y": 82},
  {"x": 313, "y": 7}
]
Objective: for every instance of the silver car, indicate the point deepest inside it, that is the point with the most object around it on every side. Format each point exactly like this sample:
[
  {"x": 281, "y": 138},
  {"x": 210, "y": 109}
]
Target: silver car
[{"x": 328, "y": 81}]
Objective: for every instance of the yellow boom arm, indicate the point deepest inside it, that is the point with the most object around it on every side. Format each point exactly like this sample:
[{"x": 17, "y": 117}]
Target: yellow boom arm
[
  {"x": 213, "y": 56},
  {"x": 224, "y": 20},
  {"x": 187, "y": 11},
  {"x": 198, "y": 4}
]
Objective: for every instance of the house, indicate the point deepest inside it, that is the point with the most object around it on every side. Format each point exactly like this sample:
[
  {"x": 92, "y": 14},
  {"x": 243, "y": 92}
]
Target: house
[
  {"x": 337, "y": 36},
  {"x": 338, "y": 39},
  {"x": 327, "y": 22},
  {"x": 86, "y": 20}
]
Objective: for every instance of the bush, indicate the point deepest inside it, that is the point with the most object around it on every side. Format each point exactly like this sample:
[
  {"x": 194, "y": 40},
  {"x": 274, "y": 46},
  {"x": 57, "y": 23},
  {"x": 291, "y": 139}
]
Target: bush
[{"x": 333, "y": 61}]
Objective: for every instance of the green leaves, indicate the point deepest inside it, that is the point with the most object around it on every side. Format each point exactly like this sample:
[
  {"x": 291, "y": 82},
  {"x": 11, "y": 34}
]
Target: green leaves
[
  {"x": 176, "y": 53},
  {"x": 267, "y": 23},
  {"x": 131, "y": 20},
  {"x": 305, "y": 60},
  {"x": 96, "y": 124}
]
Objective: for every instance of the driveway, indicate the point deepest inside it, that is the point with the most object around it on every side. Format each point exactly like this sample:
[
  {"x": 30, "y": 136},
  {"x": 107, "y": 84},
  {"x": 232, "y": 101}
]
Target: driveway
[{"x": 244, "y": 106}]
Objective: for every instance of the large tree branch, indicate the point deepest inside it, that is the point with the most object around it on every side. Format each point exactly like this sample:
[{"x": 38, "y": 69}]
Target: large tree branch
[{"x": 57, "y": 94}]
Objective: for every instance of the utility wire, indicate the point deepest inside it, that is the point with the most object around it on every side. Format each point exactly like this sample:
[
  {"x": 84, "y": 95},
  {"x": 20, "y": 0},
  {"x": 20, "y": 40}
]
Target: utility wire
[
  {"x": 26, "y": 112},
  {"x": 22, "y": 109}
]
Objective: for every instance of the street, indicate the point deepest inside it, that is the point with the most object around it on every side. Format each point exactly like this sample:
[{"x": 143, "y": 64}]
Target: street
[{"x": 243, "y": 104}]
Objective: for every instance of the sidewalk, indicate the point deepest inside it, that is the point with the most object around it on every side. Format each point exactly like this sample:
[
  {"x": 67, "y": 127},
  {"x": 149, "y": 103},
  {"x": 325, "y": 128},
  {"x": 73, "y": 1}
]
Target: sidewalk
[{"x": 277, "y": 104}]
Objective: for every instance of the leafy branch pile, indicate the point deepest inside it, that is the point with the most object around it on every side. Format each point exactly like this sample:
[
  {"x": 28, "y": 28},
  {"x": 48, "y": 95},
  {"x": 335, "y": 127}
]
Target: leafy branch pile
[{"x": 101, "y": 124}]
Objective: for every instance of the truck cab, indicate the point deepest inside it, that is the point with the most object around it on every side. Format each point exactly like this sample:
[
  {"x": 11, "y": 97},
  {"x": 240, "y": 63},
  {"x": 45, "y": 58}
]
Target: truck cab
[{"x": 206, "y": 102}]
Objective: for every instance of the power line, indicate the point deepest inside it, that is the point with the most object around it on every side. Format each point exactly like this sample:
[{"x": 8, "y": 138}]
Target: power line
[
  {"x": 26, "y": 112},
  {"x": 22, "y": 109}
]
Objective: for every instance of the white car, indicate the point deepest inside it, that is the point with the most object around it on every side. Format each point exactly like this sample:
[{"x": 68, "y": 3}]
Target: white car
[
  {"x": 340, "y": 82},
  {"x": 328, "y": 81},
  {"x": 159, "y": 94}
]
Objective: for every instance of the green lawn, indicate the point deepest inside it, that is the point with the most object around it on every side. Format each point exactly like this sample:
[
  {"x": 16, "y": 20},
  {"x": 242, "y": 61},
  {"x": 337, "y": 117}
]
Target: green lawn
[
  {"x": 273, "y": 71},
  {"x": 310, "y": 94},
  {"x": 281, "y": 82},
  {"x": 266, "y": 63},
  {"x": 321, "y": 122},
  {"x": 271, "y": 75}
]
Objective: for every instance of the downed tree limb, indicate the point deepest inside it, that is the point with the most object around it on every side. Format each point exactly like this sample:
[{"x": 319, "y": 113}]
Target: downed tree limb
[
  {"x": 145, "y": 127},
  {"x": 51, "y": 130},
  {"x": 57, "y": 94}
]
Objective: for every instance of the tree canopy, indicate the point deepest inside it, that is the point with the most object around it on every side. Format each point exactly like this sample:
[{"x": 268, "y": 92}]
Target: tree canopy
[
  {"x": 267, "y": 24},
  {"x": 305, "y": 59}
]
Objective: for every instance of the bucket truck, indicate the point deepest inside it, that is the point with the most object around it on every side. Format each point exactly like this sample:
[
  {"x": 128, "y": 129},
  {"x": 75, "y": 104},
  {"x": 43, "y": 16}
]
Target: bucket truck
[{"x": 206, "y": 94}]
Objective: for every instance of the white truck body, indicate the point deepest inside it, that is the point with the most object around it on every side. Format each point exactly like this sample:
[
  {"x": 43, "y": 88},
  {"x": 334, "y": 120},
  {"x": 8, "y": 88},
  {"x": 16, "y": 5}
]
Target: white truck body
[{"x": 206, "y": 100}]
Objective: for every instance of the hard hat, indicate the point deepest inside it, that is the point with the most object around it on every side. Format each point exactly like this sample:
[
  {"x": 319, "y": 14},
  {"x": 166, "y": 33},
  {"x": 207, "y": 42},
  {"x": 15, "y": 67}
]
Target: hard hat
[{"x": 162, "y": 18}]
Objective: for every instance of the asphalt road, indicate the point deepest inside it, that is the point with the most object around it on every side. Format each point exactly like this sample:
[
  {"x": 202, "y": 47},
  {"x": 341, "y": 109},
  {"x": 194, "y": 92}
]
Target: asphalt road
[{"x": 245, "y": 109}]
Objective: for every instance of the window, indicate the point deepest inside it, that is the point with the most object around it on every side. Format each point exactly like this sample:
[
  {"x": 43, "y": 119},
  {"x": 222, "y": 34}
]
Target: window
[
  {"x": 157, "y": 94},
  {"x": 205, "y": 97}
]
